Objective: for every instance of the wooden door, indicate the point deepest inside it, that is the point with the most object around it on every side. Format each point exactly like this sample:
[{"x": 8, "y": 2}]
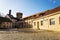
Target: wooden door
[{"x": 38, "y": 25}]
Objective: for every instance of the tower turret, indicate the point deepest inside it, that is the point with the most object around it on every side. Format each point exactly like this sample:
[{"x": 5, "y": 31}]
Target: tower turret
[{"x": 19, "y": 15}]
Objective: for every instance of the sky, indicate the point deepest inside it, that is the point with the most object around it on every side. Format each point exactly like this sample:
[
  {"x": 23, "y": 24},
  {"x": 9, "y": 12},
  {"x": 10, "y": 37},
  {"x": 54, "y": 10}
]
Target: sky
[{"x": 27, "y": 7}]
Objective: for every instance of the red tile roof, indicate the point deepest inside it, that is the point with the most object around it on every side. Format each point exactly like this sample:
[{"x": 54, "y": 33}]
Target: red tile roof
[{"x": 43, "y": 13}]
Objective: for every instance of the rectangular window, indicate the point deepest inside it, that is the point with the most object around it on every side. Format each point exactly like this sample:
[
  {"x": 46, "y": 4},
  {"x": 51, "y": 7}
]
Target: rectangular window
[
  {"x": 29, "y": 22},
  {"x": 34, "y": 23},
  {"x": 52, "y": 21},
  {"x": 59, "y": 20},
  {"x": 41, "y": 23}
]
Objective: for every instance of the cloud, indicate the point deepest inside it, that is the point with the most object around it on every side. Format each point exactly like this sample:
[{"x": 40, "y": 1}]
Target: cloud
[
  {"x": 53, "y": 1},
  {"x": 24, "y": 15}
]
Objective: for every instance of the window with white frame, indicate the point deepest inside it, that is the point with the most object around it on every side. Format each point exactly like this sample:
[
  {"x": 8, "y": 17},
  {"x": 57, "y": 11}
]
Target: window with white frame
[
  {"x": 52, "y": 21},
  {"x": 34, "y": 23}
]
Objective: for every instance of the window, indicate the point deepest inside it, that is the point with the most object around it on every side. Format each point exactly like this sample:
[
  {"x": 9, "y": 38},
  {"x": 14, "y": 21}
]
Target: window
[
  {"x": 41, "y": 23},
  {"x": 29, "y": 22},
  {"x": 7, "y": 22},
  {"x": 52, "y": 21},
  {"x": 59, "y": 20},
  {"x": 34, "y": 23}
]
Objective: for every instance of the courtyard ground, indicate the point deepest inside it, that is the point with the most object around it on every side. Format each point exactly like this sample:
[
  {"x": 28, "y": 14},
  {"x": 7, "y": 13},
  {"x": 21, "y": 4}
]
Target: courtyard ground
[{"x": 29, "y": 34}]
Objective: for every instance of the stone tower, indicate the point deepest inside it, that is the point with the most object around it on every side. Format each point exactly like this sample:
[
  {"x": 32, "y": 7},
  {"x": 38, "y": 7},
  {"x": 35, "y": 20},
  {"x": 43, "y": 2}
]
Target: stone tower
[{"x": 19, "y": 15}]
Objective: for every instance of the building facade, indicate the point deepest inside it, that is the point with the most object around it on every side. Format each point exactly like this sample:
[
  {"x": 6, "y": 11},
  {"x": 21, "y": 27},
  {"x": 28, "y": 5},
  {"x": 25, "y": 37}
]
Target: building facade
[
  {"x": 16, "y": 21},
  {"x": 5, "y": 23},
  {"x": 47, "y": 20}
]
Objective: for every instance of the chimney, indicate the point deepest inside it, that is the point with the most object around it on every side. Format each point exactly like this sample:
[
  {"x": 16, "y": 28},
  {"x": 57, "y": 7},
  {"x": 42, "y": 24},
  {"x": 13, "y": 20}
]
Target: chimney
[{"x": 9, "y": 12}]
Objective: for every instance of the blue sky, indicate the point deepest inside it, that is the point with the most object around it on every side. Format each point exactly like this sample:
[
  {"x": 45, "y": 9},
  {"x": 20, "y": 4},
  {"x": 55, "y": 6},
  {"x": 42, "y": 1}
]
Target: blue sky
[{"x": 27, "y": 7}]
